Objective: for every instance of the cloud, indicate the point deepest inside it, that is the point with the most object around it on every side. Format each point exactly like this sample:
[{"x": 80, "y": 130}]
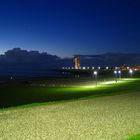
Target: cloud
[{"x": 17, "y": 55}]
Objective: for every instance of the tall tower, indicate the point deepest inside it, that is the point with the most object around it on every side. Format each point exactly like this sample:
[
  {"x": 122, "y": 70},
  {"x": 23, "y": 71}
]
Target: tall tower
[{"x": 77, "y": 62}]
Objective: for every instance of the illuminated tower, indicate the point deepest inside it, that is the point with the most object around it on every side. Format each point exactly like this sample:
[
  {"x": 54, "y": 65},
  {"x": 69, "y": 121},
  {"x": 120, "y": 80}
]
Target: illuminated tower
[{"x": 77, "y": 62}]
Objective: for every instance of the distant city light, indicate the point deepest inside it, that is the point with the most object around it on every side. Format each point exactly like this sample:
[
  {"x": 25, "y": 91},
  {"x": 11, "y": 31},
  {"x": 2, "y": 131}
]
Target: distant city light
[
  {"x": 107, "y": 68},
  {"x": 99, "y": 68},
  {"x": 128, "y": 68},
  {"x": 84, "y": 68},
  {"x": 87, "y": 67},
  {"x": 92, "y": 67},
  {"x": 116, "y": 68}
]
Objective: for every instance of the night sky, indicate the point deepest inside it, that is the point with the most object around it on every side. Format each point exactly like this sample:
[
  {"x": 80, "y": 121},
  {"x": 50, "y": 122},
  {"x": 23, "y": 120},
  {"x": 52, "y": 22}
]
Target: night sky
[{"x": 67, "y": 27}]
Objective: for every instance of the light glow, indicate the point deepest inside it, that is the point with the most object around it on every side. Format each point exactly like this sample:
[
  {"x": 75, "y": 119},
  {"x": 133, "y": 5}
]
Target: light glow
[
  {"x": 95, "y": 73},
  {"x": 115, "y": 72},
  {"x": 107, "y": 68},
  {"x": 119, "y": 72},
  {"x": 130, "y": 71}
]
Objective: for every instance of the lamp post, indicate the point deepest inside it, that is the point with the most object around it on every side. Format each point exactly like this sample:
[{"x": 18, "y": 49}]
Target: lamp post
[
  {"x": 115, "y": 72},
  {"x": 107, "y": 68},
  {"x": 95, "y": 74},
  {"x": 131, "y": 72},
  {"x": 120, "y": 74}
]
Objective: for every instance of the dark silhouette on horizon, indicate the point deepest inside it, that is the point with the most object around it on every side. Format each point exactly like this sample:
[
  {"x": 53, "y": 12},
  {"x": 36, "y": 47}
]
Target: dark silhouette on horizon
[{"x": 18, "y": 61}]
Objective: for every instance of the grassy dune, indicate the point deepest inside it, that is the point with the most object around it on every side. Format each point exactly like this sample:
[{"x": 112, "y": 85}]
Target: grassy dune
[{"x": 105, "y": 118}]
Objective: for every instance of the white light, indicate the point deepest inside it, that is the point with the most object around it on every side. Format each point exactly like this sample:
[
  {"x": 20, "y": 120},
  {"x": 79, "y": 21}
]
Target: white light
[
  {"x": 92, "y": 67},
  {"x": 99, "y": 68},
  {"x": 87, "y": 67},
  {"x": 136, "y": 69},
  {"x": 128, "y": 68},
  {"x": 119, "y": 72},
  {"x": 95, "y": 72},
  {"x": 131, "y": 71},
  {"x": 106, "y": 68},
  {"x": 72, "y": 67},
  {"x": 116, "y": 68},
  {"x": 84, "y": 68},
  {"x": 63, "y": 68},
  {"x": 68, "y": 67},
  {"x": 115, "y": 72}
]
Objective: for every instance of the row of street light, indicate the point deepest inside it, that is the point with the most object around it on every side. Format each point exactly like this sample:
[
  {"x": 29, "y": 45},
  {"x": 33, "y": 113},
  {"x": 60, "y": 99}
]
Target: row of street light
[
  {"x": 107, "y": 68},
  {"x": 118, "y": 74}
]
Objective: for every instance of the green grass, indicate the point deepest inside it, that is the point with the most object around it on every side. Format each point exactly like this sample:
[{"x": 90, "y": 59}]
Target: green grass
[
  {"x": 103, "y": 118},
  {"x": 135, "y": 137},
  {"x": 107, "y": 118},
  {"x": 21, "y": 95}
]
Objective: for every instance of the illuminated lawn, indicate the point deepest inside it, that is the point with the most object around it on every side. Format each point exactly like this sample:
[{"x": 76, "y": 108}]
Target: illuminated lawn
[
  {"x": 136, "y": 137},
  {"x": 21, "y": 95},
  {"x": 104, "y": 118}
]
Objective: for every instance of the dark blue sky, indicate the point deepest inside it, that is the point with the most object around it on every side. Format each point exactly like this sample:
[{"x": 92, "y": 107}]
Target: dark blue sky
[{"x": 67, "y": 27}]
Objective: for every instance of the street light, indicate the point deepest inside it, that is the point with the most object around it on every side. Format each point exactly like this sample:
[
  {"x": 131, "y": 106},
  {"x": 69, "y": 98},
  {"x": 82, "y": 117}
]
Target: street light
[
  {"x": 131, "y": 72},
  {"x": 107, "y": 68},
  {"x": 95, "y": 74},
  {"x": 115, "y": 72},
  {"x": 120, "y": 74}
]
